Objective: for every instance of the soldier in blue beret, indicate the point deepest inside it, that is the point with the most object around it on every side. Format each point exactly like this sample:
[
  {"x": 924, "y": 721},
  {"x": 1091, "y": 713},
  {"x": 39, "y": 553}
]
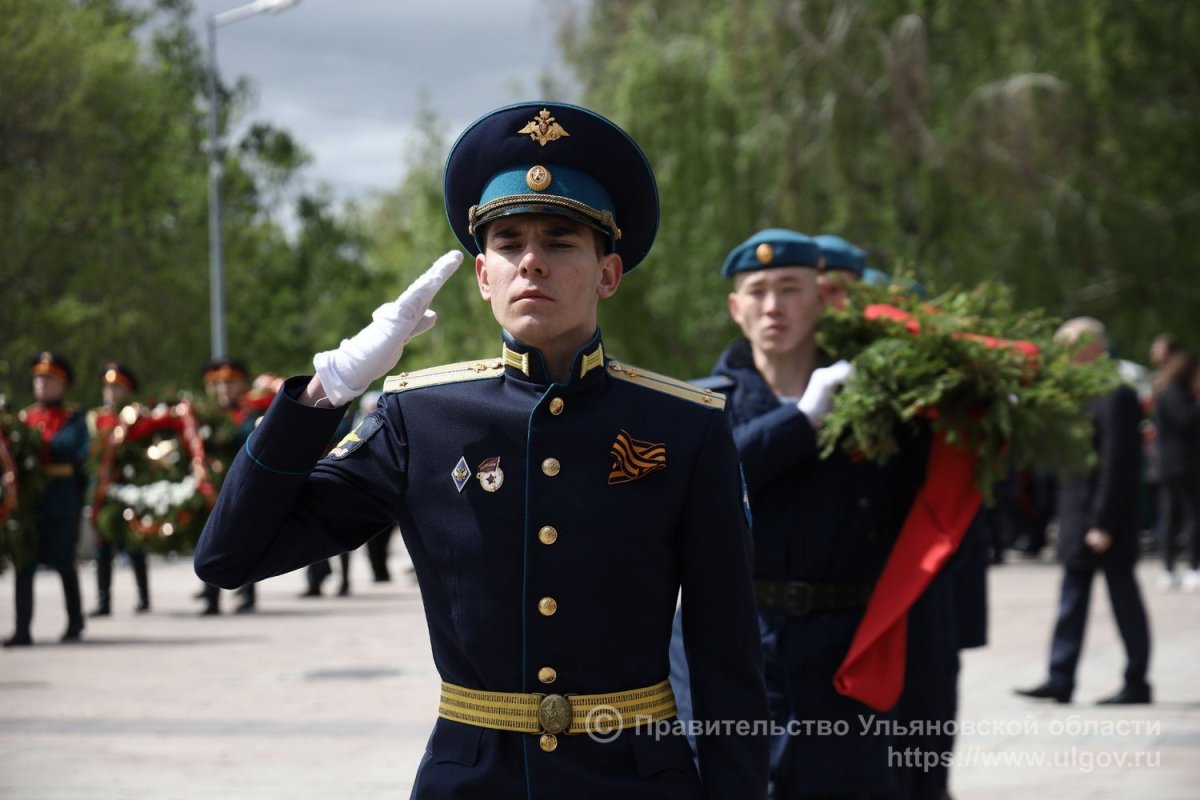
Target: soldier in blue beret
[
  {"x": 844, "y": 263},
  {"x": 64, "y": 439},
  {"x": 823, "y": 528},
  {"x": 554, "y": 500}
]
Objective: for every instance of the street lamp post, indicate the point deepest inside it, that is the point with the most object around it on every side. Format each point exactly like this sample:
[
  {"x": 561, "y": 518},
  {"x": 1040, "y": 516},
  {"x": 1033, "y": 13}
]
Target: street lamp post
[{"x": 216, "y": 272}]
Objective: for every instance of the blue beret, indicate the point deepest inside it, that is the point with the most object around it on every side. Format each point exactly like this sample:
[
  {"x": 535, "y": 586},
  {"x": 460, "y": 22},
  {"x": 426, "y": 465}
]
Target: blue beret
[
  {"x": 840, "y": 254},
  {"x": 552, "y": 158},
  {"x": 876, "y": 278},
  {"x": 773, "y": 247}
]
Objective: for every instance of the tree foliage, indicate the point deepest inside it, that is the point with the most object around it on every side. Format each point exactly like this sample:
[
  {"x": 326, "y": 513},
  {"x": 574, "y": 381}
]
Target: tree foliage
[
  {"x": 104, "y": 203},
  {"x": 1047, "y": 145}
]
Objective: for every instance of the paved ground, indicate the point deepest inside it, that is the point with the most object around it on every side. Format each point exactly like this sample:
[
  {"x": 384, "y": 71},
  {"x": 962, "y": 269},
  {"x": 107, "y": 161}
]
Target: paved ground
[{"x": 334, "y": 697}]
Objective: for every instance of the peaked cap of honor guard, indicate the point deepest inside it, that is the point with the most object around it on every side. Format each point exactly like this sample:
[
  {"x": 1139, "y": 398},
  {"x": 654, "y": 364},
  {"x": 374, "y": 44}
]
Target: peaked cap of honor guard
[{"x": 552, "y": 158}]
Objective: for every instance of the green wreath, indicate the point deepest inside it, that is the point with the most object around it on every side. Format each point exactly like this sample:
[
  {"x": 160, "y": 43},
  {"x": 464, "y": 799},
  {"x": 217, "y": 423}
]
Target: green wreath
[
  {"x": 21, "y": 488},
  {"x": 988, "y": 376}
]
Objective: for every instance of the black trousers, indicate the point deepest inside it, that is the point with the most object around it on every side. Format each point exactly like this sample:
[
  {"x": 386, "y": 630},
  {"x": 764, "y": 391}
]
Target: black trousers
[
  {"x": 24, "y": 595},
  {"x": 1180, "y": 519},
  {"x": 104, "y": 563},
  {"x": 377, "y": 552},
  {"x": 1128, "y": 610}
]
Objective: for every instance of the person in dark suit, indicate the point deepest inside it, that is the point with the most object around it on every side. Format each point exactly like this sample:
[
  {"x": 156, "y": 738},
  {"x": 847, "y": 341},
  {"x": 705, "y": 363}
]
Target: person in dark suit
[
  {"x": 64, "y": 435},
  {"x": 554, "y": 501},
  {"x": 1098, "y": 531},
  {"x": 1177, "y": 431}
]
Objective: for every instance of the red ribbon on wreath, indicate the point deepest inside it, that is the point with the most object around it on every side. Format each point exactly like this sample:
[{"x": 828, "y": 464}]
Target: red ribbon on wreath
[{"x": 872, "y": 671}]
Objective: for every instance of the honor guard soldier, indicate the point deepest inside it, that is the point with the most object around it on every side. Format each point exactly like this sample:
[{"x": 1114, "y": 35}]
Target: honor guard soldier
[
  {"x": 118, "y": 384},
  {"x": 230, "y": 422},
  {"x": 553, "y": 499},
  {"x": 65, "y": 447},
  {"x": 823, "y": 528}
]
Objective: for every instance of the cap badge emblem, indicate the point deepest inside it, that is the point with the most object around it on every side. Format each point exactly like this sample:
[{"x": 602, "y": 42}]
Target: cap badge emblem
[
  {"x": 461, "y": 473},
  {"x": 764, "y": 253},
  {"x": 543, "y": 128},
  {"x": 538, "y": 178},
  {"x": 490, "y": 476}
]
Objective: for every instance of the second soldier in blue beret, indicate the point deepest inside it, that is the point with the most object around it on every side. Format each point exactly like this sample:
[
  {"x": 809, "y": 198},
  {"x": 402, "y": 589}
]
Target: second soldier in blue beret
[
  {"x": 554, "y": 500},
  {"x": 823, "y": 528}
]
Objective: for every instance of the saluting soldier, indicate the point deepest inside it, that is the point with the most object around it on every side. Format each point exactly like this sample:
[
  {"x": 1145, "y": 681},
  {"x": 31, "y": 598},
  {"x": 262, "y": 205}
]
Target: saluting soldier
[
  {"x": 229, "y": 424},
  {"x": 65, "y": 445},
  {"x": 553, "y": 500},
  {"x": 118, "y": 384}
]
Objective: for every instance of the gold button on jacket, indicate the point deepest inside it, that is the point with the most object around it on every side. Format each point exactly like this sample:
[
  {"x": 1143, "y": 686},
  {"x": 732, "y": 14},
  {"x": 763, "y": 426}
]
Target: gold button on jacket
[
  {"x": 547, "y": 605},
  {"x": 551, "y": 467}
]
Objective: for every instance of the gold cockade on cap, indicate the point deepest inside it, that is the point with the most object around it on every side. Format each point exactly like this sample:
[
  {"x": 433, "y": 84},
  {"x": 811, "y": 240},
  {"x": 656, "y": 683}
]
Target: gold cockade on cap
[
  {"x": 538, "y": 178},
  {"x": 543, "y": 128},
  {"x": 764, "y": 253}
]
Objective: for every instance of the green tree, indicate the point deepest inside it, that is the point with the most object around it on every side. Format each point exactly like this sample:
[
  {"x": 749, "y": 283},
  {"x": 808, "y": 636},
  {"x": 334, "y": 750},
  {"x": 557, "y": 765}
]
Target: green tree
[
  {"x": 104, "y": 199},
  {"x": 1047, "y": 144}
]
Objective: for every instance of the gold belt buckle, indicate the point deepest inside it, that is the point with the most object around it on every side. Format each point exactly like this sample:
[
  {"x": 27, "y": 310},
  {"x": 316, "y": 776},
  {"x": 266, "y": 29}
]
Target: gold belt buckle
[{"x": 554, "y": 713}]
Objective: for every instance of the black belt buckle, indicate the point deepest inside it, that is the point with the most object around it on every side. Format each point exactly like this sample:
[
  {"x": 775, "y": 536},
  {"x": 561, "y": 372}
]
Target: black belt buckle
[{"x": 798, "y": 597}]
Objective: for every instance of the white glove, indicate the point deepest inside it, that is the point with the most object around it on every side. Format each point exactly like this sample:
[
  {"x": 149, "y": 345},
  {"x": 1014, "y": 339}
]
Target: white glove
[
  {"x": 346, "y": 372},
  {"x": 817, "y": 399}
]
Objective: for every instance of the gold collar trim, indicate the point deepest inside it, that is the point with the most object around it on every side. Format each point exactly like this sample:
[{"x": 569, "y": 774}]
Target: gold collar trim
[
  {"x": 516, "y": 360},
  {"x": 520, "y": 361},
  {"x": 592, "y": 360}
]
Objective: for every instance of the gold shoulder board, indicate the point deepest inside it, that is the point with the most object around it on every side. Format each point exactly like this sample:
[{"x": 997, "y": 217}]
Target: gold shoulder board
[
  {"x": 667, "y": 385},
  {"x": 447, "y": 373}
]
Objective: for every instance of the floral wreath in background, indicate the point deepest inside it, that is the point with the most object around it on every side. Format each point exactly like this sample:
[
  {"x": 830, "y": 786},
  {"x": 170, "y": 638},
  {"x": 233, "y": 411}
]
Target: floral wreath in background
[
  {"x": 153, "y": 487},
  {"x": 22, "y": 482}
]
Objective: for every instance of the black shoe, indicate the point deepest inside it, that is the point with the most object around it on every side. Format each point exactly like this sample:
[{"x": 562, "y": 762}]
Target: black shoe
[
  {"x": 245, "y": 608},
  {"x": 344, "y": 590},
  {"x": 1128, "y": 696},
  {"x": 200, "y": 595},
  {"x": 101, "y": 611},
  {"x": 312, "y": 591},
  {"x": 73, "y": 633},
  {"x": 1047, "y": 691},
  {"x": 18, "y": 640},
  {"x": 142, "y": 607},
  {"x": 210, "y": 611}
]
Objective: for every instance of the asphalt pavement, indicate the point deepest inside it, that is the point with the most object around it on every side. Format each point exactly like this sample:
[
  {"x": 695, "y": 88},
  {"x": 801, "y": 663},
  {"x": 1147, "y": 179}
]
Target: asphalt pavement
[{"x": 334, "y": 697}]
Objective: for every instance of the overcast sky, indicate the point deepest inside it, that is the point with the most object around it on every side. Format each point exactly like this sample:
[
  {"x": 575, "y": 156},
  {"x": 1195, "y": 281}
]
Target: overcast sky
[{"x": 345, "y": 77}]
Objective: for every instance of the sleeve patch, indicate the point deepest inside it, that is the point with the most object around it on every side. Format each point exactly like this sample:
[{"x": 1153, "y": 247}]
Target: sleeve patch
[{"x": 353, "y": 440}]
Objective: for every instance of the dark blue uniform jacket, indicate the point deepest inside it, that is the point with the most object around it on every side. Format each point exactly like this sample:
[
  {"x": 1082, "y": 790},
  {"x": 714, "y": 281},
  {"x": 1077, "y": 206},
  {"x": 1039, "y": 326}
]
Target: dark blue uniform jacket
[
  {"x": 822, "y": 521},
  {"x": 615, "y": 568}
]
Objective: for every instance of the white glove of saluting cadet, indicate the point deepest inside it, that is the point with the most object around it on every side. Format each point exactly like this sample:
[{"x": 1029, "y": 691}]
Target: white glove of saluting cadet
[
  {"x": 817, "y": 400},
  {"x": 346, "y": 372}
]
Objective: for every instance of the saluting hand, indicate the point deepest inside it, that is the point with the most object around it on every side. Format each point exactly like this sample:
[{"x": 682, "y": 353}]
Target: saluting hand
[{"x": 346, "y": 372}]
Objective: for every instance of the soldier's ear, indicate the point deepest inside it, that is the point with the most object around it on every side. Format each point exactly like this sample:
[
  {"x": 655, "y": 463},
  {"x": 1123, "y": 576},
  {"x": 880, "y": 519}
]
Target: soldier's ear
[
  {"x": 482, "y": 278},
  {"x": 735, "y": 309},
  {"x": 611, "y": 270}
]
